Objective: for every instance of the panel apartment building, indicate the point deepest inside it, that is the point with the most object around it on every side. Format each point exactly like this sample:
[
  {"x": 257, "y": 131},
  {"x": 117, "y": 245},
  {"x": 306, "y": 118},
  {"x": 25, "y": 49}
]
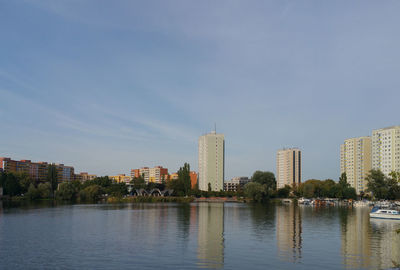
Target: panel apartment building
[
  {"x": 386, "y": 149},
  {"x": 211, "y": 161},
  {"x": 158, "y": 174},
  {"x": 38, "y": 171},
  {"x": 355, "y": 161},
  {"x": 288, "y": 167}
]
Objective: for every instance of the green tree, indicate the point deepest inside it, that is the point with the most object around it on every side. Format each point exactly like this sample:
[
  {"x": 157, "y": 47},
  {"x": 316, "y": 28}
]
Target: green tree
[
  {"x": 181, "y": 186},
  {"x": 377, "y": 184},
  {"x": 343, "y": 181},
  {"x": 67, "y": 191},
  {"x": 24, "y": 181},
  {"x": 184, "y": 177},
  {"x": 32, "y": 193},
  {"x": 393, "y": 189},
  {"x": 163, "y": 179},
  {"x": 308, "y": 189},
  {"x": 349, "y": 193},
  {"x": 328, "y": 188},
  {"x": 103, "y": 181},
  {"x": 11, "y": 185},
  {"x": 256, "y": 191},
  {"x": 267, "y": 179},
  {"x": 52, "y": 177},
  {"x": 264, "y": 178},
  {"x": 138, "y": 183},
  {"x": 284, "y": 192},
  {"x": 209, "y": 187},
  {"x": 344, "y": 191},
  {"x": 91, "y": 193},
  {"x": 150, "y": 186},
  {"x": 117, "y": 189},
  {"x": 395, "y": 176},
  {"x": 45, "y": 190}
]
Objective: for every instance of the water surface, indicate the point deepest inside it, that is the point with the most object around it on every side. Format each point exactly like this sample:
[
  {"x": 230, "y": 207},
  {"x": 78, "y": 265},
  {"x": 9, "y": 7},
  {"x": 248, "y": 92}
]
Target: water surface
[{"x": 195, "y": 236}]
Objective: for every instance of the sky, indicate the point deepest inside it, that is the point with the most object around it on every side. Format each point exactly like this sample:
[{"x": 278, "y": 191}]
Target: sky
[{"x": 108, "y": 86}]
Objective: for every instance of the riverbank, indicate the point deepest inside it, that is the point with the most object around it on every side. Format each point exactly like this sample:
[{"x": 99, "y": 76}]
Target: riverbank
[
  {"x": 148, "y": 199},
  {"x": 219, "y": 199}
]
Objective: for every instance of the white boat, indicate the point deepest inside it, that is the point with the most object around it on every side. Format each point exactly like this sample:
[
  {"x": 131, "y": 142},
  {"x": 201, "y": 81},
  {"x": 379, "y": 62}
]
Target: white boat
[
  {"x": 384, "y": 213},
  {"x": 304, "y": 201},
  {"x": 361, "y": 204}
]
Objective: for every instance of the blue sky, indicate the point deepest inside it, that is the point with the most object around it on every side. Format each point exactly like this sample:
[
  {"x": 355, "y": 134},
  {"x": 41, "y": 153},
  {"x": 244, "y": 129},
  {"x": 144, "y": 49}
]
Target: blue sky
[{"x": 106, "y": 86}]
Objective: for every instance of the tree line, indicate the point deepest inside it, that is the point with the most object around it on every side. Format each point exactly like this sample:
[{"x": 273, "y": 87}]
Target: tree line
[
  {"x": 263, "y": 187},
  {"x": 379, "y": 186}
]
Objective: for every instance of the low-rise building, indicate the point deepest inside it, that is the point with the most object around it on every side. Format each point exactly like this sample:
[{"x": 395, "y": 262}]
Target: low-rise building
[
  {"x": 173, "y": 176},
  {"x": 236, "y": 183},
  {"x": 84, "y": 176},
  {"x": 121, "y": 178}
]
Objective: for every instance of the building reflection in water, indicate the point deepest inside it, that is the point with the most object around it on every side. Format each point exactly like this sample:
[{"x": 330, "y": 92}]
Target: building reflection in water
[
  {"x": 385, "y": 243},
  {"x": 369, "y": 243},
  {"x": 210, "y": 248},
  {"x": 356, "y": 242},
  {"x": 288, "y": 232}
]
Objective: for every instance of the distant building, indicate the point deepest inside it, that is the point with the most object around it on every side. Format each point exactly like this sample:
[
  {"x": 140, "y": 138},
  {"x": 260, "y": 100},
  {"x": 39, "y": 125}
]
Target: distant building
[
  {"x": 157, "y": 174},
  {"x": 121, "y": 178},
  {"x": 84, "y": 176},
  {"x": 211, "y": 161},
  {"x": 173, "y": 176},
  {"x": 355, "y": 161},
  {"x": 135, "y": 173},
  {"x": 288, "y": 167},
  {"x": 193, "y": 179},
  {"x": 236, "y": 183},
  {"x": 38, "y": 171},
  {"x": 386, "y": 149}
]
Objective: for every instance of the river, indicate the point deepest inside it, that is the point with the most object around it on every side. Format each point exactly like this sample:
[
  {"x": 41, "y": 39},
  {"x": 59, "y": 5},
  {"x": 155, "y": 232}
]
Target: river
[{"x": 195, "y": 236}]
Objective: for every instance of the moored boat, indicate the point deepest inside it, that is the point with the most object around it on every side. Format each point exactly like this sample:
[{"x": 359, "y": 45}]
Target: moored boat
[
  {"x": 304, "y": 201},
  {"x": 384, "y": 213}
]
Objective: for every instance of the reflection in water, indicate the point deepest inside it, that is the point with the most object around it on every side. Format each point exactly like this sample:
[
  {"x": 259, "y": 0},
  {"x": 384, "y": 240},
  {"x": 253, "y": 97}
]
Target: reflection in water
[
  {"x": 288, "y": 232},
  {"x": 369, "y": 243},
  {"x": 356, "y": 244},
  {"x": 210, "y": 249},
  {"x": 386, "y": 242}
]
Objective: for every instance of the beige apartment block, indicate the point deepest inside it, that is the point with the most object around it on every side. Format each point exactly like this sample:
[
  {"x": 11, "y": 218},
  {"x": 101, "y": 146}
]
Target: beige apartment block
[
  {"x": 386, "y": 149},
  {"x": 211, "y": 161},
  {"x": 288, "y": 167},
  {"x": 355, "y": 161}
]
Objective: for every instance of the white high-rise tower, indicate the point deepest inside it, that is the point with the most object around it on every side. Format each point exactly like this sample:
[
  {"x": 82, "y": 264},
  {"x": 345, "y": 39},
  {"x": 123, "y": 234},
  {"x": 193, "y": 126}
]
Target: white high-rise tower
[
  {"x": 386, "y": 149},
  {"x": 211, "y": 161},
  {"x": 355, "y": 161},
  {"x": 288, "y": 167}
]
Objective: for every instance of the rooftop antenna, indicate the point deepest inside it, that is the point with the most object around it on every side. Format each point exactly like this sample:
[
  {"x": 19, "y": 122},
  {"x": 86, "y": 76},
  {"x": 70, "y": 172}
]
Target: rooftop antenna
[{"x": 215, "y": 128}]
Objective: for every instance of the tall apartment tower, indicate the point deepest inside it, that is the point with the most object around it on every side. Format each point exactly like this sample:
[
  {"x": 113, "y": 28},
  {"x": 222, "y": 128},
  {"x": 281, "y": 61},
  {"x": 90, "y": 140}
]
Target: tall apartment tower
[
  {"x": 355, "y": 161},
  {"x": 288, "y": 167},
  {"x": 386, "y": 149},
  {"x": 211, "y": 161}
]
